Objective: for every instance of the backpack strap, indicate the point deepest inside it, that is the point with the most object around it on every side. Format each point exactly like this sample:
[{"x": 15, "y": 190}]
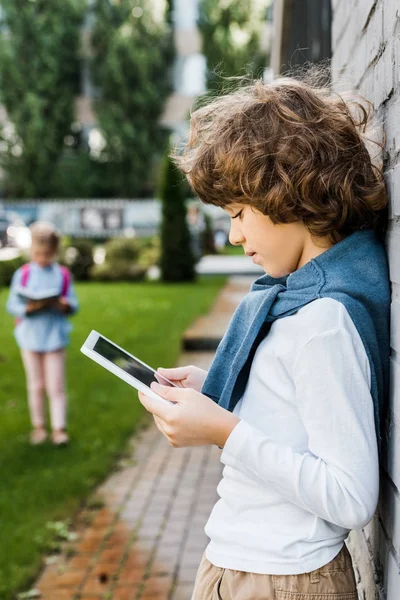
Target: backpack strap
[
  {"x": 25, "y": 274},
  {"x": 66, "y": 280}
]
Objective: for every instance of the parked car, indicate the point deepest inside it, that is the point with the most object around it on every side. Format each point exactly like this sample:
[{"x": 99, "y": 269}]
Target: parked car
[{"x": 13, "y": 231}]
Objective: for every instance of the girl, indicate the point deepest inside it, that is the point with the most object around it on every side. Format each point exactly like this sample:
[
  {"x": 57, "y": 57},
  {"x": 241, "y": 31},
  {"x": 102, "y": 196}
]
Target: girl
[
  {"x": 42, "y": 331},
  {"x": 295, "y": 392}
]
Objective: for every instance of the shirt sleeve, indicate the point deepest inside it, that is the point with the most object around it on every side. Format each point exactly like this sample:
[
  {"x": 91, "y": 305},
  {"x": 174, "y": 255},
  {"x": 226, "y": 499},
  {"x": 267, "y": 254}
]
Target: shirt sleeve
[
  {"x": 16, "y": 306},
  {"x": 72, "y": 299},
  {"x": 337, "y": 478}
]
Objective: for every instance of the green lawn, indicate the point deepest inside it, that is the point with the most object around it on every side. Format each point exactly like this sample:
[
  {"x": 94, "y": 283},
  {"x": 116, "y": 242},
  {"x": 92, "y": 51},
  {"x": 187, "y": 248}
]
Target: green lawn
[
  {"x": 43, "y": 484},
  {"x": 232, "y": 250}
]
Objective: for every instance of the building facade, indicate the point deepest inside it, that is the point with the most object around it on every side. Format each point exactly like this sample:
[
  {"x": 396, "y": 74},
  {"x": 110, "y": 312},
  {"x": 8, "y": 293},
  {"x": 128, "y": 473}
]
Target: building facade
[
  {"x": 366, "y": 55},
  {"x": 302, "y": 33},
  {"x": 363, "y": 37}
]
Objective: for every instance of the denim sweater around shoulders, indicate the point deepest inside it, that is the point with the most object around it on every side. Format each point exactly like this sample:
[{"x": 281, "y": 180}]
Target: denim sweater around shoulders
[{"x": 353, "y": 272}]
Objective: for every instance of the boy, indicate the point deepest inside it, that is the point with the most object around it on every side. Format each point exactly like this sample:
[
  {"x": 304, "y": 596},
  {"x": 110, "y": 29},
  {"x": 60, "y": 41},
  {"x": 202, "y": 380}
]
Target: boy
[{"x": 295, "y": 392}]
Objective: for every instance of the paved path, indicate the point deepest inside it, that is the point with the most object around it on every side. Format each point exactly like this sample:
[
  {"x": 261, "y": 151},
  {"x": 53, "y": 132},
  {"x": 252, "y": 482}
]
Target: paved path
[
  {"x": 147, "y": 540},
  {"x": 207, "y": 331},
  {"x": 215, "y": 264}
]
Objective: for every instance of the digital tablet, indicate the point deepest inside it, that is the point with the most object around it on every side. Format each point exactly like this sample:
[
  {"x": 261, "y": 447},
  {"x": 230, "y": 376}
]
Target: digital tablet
[
  {"x": 123, "y": 364},
  {"x": 27, "y": 294}
]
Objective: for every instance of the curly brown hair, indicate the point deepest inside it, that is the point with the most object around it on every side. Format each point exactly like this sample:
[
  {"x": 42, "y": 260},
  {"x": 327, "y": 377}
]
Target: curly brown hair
[{"x": 294, "y": 151}]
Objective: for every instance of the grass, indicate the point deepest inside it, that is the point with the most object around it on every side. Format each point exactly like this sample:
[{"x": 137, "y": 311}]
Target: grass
[
  {"x": 232, "y": 250},
  {"x": 41, "y": 485}
]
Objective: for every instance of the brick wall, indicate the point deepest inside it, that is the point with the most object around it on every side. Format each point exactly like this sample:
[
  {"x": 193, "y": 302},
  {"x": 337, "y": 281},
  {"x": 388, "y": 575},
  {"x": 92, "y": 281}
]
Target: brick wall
[{"x": 366, "y": 54}]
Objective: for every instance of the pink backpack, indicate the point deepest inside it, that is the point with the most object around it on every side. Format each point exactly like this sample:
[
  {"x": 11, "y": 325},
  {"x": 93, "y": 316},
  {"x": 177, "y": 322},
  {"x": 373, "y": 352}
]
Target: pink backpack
[{"x": 66, "y": 280}]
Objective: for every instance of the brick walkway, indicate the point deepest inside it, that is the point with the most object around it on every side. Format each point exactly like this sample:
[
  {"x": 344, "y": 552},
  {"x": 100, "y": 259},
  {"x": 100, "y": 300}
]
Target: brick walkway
[{"x": 147, "y": 540}]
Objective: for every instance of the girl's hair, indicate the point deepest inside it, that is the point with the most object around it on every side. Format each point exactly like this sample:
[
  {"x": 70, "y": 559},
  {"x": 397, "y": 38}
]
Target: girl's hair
[
  {"x": 45, "y": 234},
  {"x": 294, "y": 151}
]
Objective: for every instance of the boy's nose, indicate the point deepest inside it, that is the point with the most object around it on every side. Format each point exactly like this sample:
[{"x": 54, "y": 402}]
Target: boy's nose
[{"x": 235, "y": 237}]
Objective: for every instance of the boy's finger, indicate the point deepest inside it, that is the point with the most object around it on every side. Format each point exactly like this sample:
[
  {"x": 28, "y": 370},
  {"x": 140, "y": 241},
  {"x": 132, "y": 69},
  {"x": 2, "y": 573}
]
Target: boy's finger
[
  {"x": 176, "y": 373},
  {"x": 156, "y": 407},
  {"x": 162, "y": 379},
  {"x": 172, "y": 394},
  {"x": 159, "y": 424}
]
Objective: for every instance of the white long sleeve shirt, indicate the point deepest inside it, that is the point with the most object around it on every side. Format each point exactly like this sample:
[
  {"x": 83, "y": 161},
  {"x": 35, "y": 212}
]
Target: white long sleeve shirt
[{"x": 301, "y": 467}]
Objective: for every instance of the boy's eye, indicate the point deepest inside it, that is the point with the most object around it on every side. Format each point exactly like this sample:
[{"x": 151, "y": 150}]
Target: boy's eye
[{"x": 238, "y": 214}]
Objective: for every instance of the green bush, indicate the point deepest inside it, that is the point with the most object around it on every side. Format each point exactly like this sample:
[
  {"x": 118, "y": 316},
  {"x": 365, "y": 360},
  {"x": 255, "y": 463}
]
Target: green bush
[
  {"x": 122, "y": 262},
  {"x": 8, "y": 268},
  {"x": 77, "y": 255},
  {"x": 150, "y": 251},
  {"x": 122, "y": 271},
  {"x": 122, "y": 249}
]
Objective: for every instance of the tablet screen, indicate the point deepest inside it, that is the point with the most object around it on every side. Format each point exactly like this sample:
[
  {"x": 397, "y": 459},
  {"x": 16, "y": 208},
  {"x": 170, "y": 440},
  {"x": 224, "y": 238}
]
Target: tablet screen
[{"x": 127, "y": 363}]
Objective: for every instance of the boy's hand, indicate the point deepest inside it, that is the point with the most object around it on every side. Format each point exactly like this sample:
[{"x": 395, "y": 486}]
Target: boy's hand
[
  {"x": 187, "y": 377},
  {"x": 194, "y": 420}
]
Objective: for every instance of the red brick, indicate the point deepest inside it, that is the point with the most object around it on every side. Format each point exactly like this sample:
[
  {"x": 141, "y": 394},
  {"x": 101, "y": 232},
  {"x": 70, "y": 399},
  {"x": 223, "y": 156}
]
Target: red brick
[
  {"x": 125, "y": 592},
  {"x": 117, "y": 538},
  {"x": 48, "y": 577},
  {"x": 100, "y": 579},
  {"x": 129, "y": 575},
  {"x": 93, "y": 587},
  {"x": 90, "y": 542},
  {"x": 157, "y": 587},
  {"x": 103, "y": 518},
  {"x": 136, "y": 559},
  {"x": 70, "y": 578},
  {"x": 57, "y": 595},
  {"x": 104, "y": 569},
  {"x": 80, "y": 561},
  {"x": 112, "y": 555}
]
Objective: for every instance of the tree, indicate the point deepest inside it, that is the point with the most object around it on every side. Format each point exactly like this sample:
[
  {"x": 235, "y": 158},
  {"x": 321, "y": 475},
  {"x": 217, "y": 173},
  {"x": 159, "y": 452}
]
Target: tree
[
  {"x": 231, "y": 33},
  {"x": 133, "y": 53},
  {"x": 39, "y": 77},
  {"x": 177, "y": 261}
]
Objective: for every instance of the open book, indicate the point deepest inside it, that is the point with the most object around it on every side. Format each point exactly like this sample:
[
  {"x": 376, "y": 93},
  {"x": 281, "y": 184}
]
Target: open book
[{"x": 27, "y": 294}]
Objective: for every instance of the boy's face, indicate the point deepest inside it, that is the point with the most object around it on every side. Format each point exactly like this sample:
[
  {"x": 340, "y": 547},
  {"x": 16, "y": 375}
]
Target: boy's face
[
  {"x": 278, "y": 249},
  {"x": 43, "y": 255}
]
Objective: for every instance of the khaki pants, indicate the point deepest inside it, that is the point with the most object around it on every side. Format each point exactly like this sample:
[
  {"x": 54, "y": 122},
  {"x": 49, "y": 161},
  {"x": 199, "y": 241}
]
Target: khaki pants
[{"x": 334, "y": 581}]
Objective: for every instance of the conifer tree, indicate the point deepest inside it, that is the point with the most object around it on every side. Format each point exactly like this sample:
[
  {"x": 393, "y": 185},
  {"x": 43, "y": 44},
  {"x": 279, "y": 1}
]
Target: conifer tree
[{"x": 177, "y": 261}]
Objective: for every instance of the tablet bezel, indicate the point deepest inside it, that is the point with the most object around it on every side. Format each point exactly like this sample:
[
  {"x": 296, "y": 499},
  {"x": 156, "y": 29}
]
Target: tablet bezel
[{"x": 88, "y": 350}]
